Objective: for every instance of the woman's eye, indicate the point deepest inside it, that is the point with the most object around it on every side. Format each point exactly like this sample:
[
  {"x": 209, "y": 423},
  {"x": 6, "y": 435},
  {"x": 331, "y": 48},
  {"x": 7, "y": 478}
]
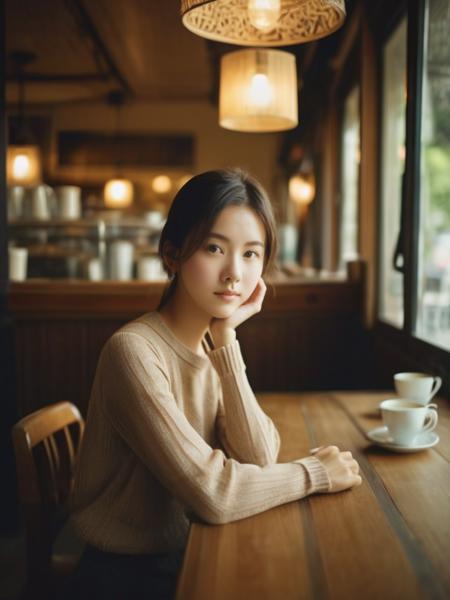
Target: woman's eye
[
  {"x": 213, "y": 248},
  {"x": 251, "y": 253}
]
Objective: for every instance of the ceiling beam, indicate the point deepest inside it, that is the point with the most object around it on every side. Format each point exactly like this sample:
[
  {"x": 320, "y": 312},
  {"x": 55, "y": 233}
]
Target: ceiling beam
[{"x": 87, "y": 25}]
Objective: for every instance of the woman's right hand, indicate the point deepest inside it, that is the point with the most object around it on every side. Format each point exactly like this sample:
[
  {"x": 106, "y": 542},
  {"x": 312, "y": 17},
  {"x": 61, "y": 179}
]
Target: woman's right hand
[{"x": 342, "y": 468}]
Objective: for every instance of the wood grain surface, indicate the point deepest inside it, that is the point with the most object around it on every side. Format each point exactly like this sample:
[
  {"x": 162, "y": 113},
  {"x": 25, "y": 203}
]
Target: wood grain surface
[{"x": 388, "y": 538}]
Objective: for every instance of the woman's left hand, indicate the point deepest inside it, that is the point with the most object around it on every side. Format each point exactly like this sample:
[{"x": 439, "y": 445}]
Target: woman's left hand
[{"x": 223, "y": 330}]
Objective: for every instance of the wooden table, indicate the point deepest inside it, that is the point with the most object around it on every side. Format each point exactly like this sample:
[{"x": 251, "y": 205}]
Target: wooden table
[{"x": 388, "y": 538}]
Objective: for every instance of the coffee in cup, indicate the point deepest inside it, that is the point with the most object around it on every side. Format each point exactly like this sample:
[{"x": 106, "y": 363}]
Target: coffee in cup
[
  {"x": 406, "y": 419},
  {"x": 419, "y": 387}
]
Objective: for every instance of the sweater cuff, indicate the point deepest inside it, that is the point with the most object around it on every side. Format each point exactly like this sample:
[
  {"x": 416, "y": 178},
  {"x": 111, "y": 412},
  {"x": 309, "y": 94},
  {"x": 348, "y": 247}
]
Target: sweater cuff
[
  {"x": 227, "y": 359},
  {"x": 318, "y": 476}
]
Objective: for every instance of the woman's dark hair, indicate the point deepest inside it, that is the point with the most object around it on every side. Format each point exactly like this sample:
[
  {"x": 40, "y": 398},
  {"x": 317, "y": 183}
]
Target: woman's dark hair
[{"x": 197, "y": 205}]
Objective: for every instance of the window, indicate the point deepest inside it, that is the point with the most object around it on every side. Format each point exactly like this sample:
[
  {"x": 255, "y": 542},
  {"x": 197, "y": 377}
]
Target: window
[
  {"x": 350, "y": 153},
  {"x": 433, "y": 282},
  {"x": 413, "y": 328},
  {"x": 392, "y": 170}
]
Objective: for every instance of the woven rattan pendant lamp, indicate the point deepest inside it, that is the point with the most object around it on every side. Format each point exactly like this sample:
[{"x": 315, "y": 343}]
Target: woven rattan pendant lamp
[{"x": 263, "y": 22}]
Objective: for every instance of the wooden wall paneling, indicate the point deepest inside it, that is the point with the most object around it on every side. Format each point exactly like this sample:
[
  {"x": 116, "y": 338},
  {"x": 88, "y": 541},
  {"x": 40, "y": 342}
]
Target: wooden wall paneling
[
  {"x": 56, "y": 360},
  {"x": 263, "y": 344},
  {"x": 306, "y": 352},
  {"x": 308, "y": 336}
]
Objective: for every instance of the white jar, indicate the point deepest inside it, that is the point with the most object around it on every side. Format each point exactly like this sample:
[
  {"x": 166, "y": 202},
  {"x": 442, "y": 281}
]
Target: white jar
[{"x": 121, "y": 261}]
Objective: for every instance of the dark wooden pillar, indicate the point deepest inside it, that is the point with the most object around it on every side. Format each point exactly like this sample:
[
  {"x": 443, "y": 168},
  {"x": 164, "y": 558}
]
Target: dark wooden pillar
[{"x": 9, "y": 514}]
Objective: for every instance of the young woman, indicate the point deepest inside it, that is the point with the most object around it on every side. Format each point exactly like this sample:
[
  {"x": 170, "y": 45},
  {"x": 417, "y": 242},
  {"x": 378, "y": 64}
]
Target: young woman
[{"x": 174, "y": 431}]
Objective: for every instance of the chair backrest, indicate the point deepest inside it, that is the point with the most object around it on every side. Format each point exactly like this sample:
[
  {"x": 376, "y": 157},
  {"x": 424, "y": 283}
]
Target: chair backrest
[{"x": 46, "y": 445}]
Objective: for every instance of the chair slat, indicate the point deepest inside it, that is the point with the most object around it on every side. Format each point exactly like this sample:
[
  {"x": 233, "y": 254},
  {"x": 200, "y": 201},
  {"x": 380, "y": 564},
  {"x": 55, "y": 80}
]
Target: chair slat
[{"x": 46, "y": 444}]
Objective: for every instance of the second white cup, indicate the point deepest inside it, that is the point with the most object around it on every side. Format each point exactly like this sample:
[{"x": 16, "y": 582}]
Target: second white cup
[
  {"x": 405, "y": 419},
  {"x": 419, "y": 387}
]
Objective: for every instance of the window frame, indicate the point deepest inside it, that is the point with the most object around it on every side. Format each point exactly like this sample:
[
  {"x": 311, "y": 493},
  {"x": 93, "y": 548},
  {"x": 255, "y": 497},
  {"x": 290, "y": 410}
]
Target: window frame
[{"x": 410, "y": 351}]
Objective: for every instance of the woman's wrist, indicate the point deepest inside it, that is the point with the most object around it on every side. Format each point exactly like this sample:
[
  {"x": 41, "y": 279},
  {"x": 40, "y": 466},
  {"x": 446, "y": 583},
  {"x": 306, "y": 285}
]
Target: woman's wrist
[{"x": 223, "y": 337}]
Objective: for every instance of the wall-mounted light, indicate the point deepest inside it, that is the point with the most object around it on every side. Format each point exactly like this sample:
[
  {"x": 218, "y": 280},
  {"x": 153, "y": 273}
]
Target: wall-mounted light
[
  {"x": 258, "y": 91},
  {"x": 263, "y": 22},
  {"x": 302, "y": 189}
]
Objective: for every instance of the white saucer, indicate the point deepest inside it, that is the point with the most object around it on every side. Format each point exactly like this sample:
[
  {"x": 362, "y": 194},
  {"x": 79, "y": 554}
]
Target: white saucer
[{"x": 381, "y": 437}]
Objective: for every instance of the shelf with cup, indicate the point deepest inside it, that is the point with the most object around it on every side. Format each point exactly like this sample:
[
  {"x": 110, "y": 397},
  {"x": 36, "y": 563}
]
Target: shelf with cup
[{"x": 63, "y": 248}]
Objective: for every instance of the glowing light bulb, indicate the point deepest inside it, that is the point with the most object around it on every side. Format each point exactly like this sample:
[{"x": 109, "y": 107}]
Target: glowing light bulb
[
  {"x": 21, "y": 166},
  {"x": 118, "y": 193},
  {"x": 264, "y": 14},
  {"x": 260, "y": 92},
  {"x": 301, "y": 190}
]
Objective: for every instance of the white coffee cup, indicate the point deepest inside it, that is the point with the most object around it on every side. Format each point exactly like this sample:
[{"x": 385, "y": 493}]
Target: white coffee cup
[
  {"x": 419, "y": 387},
  {"x": 121, "y": 264},
  {"x": 405, "y": 419},
  {"x": 18, "y": 260},
  {"x": 69, "y": 201}
]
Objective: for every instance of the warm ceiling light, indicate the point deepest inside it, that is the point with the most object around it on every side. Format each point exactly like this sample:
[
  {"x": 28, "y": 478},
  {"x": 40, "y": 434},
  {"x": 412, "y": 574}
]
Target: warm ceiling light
[
  {"x": 260, "y": 23},
  {"x": 258, "y": 91},
  {"x": 23, "y": 165},
  {"x": 162, "y": 184},
  {"x": 118, "y": 193},
  {"x": 264, "y": 14},
  {"x": 302, "y": 189}
]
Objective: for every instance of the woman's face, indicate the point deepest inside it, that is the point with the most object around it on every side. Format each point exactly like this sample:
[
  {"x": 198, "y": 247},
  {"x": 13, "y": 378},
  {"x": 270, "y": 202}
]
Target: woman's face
[{"x": 222, "y": 274}]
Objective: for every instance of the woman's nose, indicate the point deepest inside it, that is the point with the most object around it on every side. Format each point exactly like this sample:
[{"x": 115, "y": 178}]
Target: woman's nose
[{"x": 232, "y": 271}]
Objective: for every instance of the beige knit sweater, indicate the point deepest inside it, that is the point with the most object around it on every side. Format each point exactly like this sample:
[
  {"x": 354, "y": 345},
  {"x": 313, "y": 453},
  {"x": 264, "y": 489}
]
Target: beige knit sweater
[{"x": 171, "y": 435}]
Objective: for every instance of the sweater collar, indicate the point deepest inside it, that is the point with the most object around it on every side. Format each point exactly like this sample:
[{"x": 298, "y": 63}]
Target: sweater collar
[{"x": 156, "y": 322}]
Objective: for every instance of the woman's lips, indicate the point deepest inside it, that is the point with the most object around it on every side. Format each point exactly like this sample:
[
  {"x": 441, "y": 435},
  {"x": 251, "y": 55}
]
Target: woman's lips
[{"x": 226, "y": 296}]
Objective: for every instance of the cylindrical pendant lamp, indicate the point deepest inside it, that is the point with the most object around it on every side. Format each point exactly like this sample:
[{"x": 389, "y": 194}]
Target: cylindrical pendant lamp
[
  {"x": 258, "y": 91},
  {"x": 263, "y": 22}
]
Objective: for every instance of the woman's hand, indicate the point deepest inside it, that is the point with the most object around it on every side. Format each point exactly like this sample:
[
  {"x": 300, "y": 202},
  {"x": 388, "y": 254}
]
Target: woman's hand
[
  {"x": 223, "y": 330},
  {"x": 342, "y": 468}
]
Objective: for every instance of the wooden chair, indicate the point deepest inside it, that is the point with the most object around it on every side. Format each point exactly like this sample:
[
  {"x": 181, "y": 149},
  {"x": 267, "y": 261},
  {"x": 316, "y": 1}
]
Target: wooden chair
[{"x": 46, "y": 445}]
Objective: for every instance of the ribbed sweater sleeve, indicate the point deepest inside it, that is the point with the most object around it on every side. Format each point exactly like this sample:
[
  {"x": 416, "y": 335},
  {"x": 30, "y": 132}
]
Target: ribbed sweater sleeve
[
  {"x": 244, "y": 430},
  {"x": 141, "y": 407}
]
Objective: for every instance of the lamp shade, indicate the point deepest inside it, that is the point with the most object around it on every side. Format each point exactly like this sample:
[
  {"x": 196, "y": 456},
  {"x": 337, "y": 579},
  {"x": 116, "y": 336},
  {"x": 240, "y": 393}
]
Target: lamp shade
[
  {"x": 118, "y": 193},
  {"x": 263, "y": 22},
  {"x": 258, "y": 91},
  {"x": 23, "y": 165}
]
